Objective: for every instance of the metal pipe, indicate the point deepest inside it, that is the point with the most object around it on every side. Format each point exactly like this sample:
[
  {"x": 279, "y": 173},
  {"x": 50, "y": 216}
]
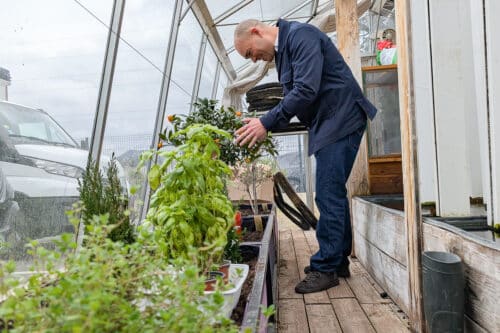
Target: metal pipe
[
  {"x": 162, "y": 102},
  {"x": 216, "y": 81},
  {"x": 199, "y": 70}
]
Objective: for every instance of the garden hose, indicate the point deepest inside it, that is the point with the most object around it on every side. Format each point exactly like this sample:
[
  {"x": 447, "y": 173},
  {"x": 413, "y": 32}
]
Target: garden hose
[{"x": 303, "y": 216}]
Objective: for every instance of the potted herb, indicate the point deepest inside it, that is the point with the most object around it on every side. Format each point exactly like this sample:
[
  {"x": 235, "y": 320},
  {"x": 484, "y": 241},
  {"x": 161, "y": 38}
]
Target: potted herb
[
  {"x": 189, "y": 206},
  {"x": 109, "y": 287},
  {"x": 243, "y": 159},
  {"x": 100, "y": 195}
]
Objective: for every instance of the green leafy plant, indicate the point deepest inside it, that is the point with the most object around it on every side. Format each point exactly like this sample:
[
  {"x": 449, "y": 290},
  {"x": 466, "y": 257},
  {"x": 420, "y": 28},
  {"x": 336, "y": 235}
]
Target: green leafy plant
[
  {"x": 206, "y": 111},
  {"x": 100, "y": 195},
  {"x": 109, "y": 287},
  {"x": 189, "y": 206},
  {"x": 232, "y": 249}
]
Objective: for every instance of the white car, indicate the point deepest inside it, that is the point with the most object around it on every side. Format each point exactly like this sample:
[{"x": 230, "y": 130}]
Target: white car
[{"x": 41, "y": 163}]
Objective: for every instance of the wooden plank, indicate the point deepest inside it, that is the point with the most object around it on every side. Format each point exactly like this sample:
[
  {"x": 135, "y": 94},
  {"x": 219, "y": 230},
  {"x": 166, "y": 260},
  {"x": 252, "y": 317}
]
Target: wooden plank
[
  {"x": 351, "y": 316},
  {"x": 346, "y": 19},
  {"x": 341, "y": 291},
  {"x": 384, "y": 319},
  {"x": 388, "y": 184},
  {"x": 409, "y": 161},
  {"x": 312, "y": 241},
  {"x": 378, "y": 68},
  {"x": 385, "y": 158},
  {"x": 386, "y": 168},
  {"x": 303, "y": 253},
  {"x": 364, "y": 291},
  {"x": 356, "y": 268},
  {"x": 322, "y": 318},
  {"x": 292, "y": 316},
  {"x": 382, "y": 227},
  {"x": 389, "y": 274},
  {"x": 288, "y": 273}
]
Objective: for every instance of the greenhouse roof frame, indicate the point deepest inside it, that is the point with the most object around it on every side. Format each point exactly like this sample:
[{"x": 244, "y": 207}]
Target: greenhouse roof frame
[{"x": 211, "y": 23}]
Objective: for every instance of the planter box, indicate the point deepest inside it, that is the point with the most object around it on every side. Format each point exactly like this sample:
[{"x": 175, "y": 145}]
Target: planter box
[
  {"x": 264, "y": 287},
  {"x": 380, "y": 240}
]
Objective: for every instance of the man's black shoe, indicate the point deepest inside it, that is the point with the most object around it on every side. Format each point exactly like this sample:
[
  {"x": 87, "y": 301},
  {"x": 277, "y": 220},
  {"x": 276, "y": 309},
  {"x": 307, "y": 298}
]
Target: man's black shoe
[
  {"x": 317, "y": 281},
  {"x": 342, "y": 271}
]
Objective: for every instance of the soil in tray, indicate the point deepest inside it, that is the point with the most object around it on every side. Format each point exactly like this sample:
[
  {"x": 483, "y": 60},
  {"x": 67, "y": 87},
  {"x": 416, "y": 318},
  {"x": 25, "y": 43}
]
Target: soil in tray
[
  {"x": 246, "y": 289},
  {"x": 252, "y": 236},
  {"x": 250, "y": 255}
]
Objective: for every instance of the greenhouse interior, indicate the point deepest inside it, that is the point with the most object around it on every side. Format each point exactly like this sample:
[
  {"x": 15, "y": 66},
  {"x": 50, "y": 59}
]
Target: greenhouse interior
[{"x": 249, "y": 166}]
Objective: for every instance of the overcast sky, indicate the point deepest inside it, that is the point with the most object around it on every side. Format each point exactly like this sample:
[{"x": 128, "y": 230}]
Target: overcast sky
[{"x": 54, "y": 51}]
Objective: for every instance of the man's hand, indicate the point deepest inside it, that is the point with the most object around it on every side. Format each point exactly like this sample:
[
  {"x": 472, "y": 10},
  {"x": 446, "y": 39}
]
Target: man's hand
[{"x": 252, "y": 132}]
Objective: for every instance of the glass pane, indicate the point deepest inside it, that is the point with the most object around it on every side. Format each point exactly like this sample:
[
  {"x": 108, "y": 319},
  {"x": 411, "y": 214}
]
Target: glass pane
[
  {"x": 184, "y": 68},
  {"x": 53, "y": 56},
  {"x": 272, "y": 10},
  {"x": 222, "y": 84},
  {"x": 136, "y": 87},
  {"x": 237, "y": 60},
  {"x": 381, "y": 88},
  {"x": 226, "y": 33},
  {"x": 217, "y": 7},
  {"x": 292, "y": 160},
  {"x": 208, "y": 74}
]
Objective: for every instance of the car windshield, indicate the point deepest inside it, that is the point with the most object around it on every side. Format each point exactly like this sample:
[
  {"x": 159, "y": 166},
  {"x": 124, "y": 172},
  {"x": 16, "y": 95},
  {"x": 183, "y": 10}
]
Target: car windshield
[{"x": 27, "y": 125}]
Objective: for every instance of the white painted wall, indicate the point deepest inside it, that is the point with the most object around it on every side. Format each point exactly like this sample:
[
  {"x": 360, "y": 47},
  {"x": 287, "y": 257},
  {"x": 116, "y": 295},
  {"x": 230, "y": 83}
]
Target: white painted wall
[
  {"x": 493, "y": 61},
  {"x": 424, "y": 108},
  {"x": 473, "y": 44},
  {"x": 481, "y": 107},
  {"x": 455, "y": 105}
]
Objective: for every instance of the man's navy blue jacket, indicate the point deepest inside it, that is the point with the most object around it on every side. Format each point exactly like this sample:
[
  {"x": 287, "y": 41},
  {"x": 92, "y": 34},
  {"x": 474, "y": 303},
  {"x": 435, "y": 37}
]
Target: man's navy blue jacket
[{"x": 318, "y": 85}]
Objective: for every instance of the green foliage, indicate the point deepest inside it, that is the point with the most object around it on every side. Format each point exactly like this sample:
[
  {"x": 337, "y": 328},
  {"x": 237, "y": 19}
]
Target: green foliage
[
  {"x": 189, "y": 206},
  {"x": 228, "y": 119},
  {"x": 232, "y": 250},
  {"x": 101, "y": 195},
  {"x": 109, "y": 287}
]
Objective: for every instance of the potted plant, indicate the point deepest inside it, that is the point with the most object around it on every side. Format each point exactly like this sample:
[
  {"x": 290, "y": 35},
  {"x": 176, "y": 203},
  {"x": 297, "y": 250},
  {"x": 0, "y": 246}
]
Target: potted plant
[
  {"x": 228, "y": 119},
  {"x": 248, "y": 178},
  {"x": 189, "y": 206},
  {"x": 109, "y": 286},
  {"x": 245, "y": 159},
  {"x": 100, "y": 195}
]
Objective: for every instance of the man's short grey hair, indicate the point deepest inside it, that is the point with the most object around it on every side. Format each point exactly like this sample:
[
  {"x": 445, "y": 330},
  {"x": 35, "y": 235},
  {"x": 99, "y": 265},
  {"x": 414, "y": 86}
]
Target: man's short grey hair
[{"x": 243, "y": 28}]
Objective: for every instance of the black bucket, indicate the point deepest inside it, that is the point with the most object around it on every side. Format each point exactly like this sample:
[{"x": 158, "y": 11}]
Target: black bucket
[{"x": 443, "y": 286}]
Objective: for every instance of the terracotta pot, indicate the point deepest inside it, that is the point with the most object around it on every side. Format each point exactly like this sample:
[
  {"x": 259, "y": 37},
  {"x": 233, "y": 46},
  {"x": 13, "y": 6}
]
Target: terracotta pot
[
  {"x": 224, "y": 268},
  {"x": 211, "y": 280}
]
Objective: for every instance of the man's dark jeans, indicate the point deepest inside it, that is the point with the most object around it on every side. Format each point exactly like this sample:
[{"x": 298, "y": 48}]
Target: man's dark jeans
[{"x": 333, "y": 166}]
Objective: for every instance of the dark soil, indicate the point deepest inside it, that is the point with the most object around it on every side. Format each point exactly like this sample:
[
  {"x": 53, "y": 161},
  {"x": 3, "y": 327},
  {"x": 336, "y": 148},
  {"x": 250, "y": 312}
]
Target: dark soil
[
  {"x": 252, "y": 236},
  {"x": 246, "y": 289}
]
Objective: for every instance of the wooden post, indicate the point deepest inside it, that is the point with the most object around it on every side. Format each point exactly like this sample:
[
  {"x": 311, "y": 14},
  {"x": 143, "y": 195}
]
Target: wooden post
[
  {"x": 410, "y": 164},
  {"x": 346, "y": 16}
]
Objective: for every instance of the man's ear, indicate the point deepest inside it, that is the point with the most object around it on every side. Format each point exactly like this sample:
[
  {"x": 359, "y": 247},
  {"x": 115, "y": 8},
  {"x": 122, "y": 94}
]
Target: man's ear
[{"x": 255, "y": 31}]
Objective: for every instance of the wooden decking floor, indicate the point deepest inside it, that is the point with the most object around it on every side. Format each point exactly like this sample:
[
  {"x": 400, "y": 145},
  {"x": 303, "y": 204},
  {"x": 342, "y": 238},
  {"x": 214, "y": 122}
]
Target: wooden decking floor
[{"x": 356, "y": 305}]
